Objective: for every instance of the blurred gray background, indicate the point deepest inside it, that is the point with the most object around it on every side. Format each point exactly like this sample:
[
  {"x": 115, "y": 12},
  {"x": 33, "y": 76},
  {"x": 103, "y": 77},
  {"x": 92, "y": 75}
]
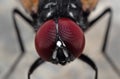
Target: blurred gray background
[{"x": 9, "y": 49}]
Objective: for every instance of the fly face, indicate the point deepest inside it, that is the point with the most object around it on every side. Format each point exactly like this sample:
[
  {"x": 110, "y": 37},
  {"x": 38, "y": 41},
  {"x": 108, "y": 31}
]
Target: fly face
[
  {"x": 60, "y": 38},
  {"x": 59, "y": 41},
  {"x": 60, "y": 24}
]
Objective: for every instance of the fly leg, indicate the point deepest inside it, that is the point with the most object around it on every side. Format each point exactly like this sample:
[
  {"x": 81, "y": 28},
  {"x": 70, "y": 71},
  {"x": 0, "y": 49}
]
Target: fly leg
[
  {"x": 108, "y": 10},
  {"x": 84, "y": 58},
  {"x": 20, "y": 41},
  {"x": 35, "y": 65},
  {"x": 91, "y": 23},
  {"x": 105, "y": 42},
  {"x": 90, "y": 62}
]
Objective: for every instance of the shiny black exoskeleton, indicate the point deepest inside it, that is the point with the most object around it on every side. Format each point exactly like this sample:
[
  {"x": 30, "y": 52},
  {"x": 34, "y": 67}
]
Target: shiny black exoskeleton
[{"x": 52, "y": 9}]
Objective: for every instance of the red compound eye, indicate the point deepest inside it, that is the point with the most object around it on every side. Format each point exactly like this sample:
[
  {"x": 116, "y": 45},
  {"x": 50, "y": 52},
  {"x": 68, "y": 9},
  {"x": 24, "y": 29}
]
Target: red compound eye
[
  {"x": 45, "y": 39},
  {"x": 69, "y": 32},
  {"x": 72, "y": 35}
]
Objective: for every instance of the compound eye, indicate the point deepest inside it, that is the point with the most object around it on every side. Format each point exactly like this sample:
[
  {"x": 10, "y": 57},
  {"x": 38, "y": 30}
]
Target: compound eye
[
  {"x": 88, "y": 5},
  {"x": 30, "y": 6},
  {"x": 71, "y": 37},
  {"x": 45, "y": 40}
]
